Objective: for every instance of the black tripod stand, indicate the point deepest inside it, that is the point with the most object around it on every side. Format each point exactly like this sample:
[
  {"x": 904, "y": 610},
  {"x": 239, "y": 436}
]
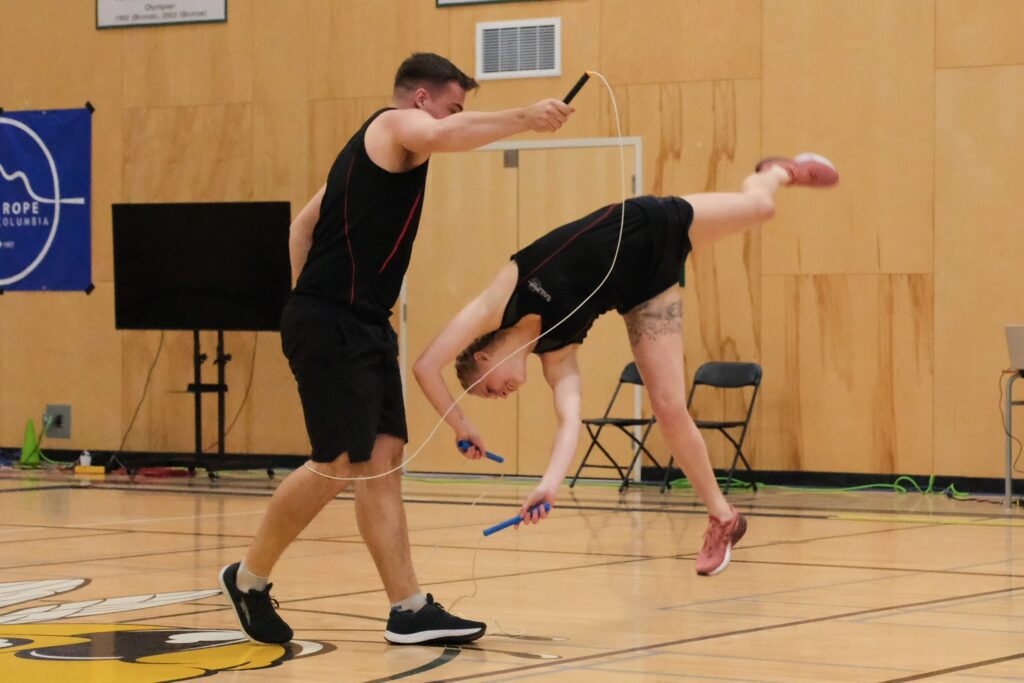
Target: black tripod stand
[{"x": 197, "y": 389}]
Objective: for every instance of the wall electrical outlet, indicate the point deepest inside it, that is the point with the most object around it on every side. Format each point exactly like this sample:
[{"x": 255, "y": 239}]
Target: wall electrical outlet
[{"x": 59, "y": 418}]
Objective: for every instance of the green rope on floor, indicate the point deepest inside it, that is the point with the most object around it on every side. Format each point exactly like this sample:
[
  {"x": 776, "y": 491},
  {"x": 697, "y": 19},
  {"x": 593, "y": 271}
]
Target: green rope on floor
[
  {"x": 950, "y": 491},
  {"x": 902, "y": 484}
]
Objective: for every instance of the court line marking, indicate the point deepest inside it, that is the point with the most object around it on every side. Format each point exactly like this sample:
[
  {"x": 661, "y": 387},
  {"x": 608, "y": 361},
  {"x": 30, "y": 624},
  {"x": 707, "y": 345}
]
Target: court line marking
[
  {"x": 661, "y": 506},
  {"x": 954, "y": 669},
  {"x": 144, "y": 520},
  {"x": 937, "y": 519},
  {"x": 951, "y": 572},
  {"x": 673, "y": 556},
  {"x": 41, "y": 488},
  {"x": 726, "y": 634},
  {"x": 178, "y": 614},
  {"x": 99, "y": 532},
  {"x": 120, "y": 557}
]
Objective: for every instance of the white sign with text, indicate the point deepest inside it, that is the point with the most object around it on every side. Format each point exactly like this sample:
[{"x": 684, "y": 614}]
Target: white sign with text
[{"x": 124, "y": 13}]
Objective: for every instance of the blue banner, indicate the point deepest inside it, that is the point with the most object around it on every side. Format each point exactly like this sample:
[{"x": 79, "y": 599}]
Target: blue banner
[{"x": 45, "y": 200}]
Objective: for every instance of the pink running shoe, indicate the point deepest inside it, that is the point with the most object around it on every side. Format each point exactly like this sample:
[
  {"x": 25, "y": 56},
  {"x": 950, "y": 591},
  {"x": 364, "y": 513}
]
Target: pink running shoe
[
  {"x": 719, "y": 539},
  {"x": 808, "y": 169}
]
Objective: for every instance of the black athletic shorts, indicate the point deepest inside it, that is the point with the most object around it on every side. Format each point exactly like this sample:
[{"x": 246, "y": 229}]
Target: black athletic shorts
[
  {"x": 348, "y": 376},
  {"x": 661, "y": 260}
]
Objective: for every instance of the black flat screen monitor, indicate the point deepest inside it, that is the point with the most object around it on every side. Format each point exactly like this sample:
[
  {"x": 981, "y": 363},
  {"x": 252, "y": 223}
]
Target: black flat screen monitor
[{"x": 208, "y": 266}]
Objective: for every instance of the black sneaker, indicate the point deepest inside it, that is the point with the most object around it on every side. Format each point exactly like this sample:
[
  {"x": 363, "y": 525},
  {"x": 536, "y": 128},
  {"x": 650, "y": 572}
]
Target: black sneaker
[
  {"x": 430, "y": 626},
  {"x": 254, "y": 610}
]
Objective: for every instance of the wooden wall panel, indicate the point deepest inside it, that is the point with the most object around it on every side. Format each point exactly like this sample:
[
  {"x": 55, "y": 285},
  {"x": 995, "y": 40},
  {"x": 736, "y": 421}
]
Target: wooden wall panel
[
  {"x": 281, "y": 55},
  {"x": 356, "y": 46},
  {"x": 723, "y": 290},
  {"x": 333, "y": 123},
  {"x": 839, "y": 358},
  {"x": 55, "y": 59},
  {"x": 50, "y": 64},
  {"x": 165, "y": 418},
  {"x": 467, "y": 233},
  {"x": 781, "y": 416},
  {"x": 580, "y": 26},
  {"x": 262, "y": 409},
  {"x": 198, "y": 64},
  {"x": 271, "y": 421},
  {"x": 698, "y": 137},
  {"x": 639, "y": 111},
  {"x": 704, "y": 137},
  {"x": 107, "y": 141},
  {"x": 921, "y": 229},
  {"x": 60, "y": 349},
  {"x": 822, "y": 93},
  {"x": 978, "y": 32},
  {"x": 979, "y": 248},
  {"x": 179, "y": 154},
  {"x": 907, "y": 314},
  {"x": 281, "y": 153},
  {"x": 684, "y": 40},
  {"x": 87, "y": 67},
  {"x": 835, "y": 351},
  {"x": 557, "y": 186}
]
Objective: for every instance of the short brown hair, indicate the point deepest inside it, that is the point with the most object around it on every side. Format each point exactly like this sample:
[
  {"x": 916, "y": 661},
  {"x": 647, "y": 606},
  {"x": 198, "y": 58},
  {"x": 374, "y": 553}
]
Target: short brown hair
[
  {"x": 428, "y": 68},
  {"x": 465, "y": 365}
]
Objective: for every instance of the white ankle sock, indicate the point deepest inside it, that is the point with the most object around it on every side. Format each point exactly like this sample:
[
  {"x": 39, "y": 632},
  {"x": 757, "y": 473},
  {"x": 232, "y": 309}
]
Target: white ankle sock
[
  {"x": 247, "y": 581},
  {"x": 413, "y": 602}
]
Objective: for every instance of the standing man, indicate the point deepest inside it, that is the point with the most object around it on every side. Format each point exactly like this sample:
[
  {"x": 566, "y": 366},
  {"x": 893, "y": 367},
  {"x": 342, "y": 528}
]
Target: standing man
[{"x": 350, "y": 248}]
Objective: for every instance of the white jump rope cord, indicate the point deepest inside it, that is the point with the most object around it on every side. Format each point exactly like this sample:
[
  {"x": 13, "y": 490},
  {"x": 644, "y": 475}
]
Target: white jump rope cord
[{"x": 618, "y": 244}]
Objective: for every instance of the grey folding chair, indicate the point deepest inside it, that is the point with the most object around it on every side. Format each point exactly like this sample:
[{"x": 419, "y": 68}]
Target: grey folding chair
[
  {"x": 727, "y": 375},
  {"x": 630, "y": 376}
]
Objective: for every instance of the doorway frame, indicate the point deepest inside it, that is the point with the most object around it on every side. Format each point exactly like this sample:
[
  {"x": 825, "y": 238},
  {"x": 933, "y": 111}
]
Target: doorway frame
[{"x": 626, "y": 142}]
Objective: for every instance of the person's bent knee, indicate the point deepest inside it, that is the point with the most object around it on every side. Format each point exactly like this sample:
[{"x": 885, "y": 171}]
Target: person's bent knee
[
  {"x": 388, "y": 452},
  {"x": 384, "y": 466},
  {"x": 671, "y": 408},
  {"x": 340, "y": 468}
]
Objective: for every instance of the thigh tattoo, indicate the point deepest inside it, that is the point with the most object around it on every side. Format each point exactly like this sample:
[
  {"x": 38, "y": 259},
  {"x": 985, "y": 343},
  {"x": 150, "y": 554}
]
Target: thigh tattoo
[{"x": 653, "y": 320}]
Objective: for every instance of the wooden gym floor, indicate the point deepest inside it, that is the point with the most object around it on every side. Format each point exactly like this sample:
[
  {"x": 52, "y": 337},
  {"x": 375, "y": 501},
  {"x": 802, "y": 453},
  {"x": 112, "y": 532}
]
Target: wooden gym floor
[{"x": 113, "y": 580}]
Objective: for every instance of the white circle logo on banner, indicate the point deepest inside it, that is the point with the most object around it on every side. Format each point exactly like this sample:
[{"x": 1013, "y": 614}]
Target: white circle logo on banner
[{"x": 16, "y": 176}]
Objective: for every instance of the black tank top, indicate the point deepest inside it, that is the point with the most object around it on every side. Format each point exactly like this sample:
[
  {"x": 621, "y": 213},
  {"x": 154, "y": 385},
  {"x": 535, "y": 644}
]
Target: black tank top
[
  {"x": 363, "y": 239},
  {"x": 560, "y": 269}
]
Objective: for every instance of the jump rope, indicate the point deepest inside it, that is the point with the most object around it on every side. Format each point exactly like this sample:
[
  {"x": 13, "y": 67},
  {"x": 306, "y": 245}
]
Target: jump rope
[{"x": 466, "y": 445}]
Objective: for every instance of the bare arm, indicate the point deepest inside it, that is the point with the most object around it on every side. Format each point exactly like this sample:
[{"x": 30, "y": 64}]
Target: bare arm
[
  {"x": 300, "y": 234},
  {"x": 467, "y": 325},
  {"x": 562, "y": 373},
  {"x": 481, "y": 315},
  {"x": 420, "y": 133}
]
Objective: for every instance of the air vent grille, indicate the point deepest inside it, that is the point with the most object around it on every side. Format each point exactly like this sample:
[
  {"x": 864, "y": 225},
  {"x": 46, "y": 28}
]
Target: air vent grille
[{"x": 519, "y": 49}]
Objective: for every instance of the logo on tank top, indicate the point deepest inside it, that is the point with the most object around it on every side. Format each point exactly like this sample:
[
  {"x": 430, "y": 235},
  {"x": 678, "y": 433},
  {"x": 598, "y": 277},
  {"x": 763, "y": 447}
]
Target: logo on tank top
[{"x": 535, "y": 286}]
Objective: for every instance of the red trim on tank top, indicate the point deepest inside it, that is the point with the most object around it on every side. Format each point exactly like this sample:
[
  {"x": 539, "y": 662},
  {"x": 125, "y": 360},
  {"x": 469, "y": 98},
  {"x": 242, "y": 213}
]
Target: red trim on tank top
[
  {"x": 569, "y": 241},
  {"x": 348, "y": 178},
  {"x": 401, "y": 235}
]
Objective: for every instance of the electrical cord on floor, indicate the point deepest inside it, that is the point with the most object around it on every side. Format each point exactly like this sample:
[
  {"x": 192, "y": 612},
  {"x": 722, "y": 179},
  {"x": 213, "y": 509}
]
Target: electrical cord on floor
[
  {"x": 1016, "y": 502},
  {"x": 909, "y": 485},
  {"x": 1002, "y": 420}
]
